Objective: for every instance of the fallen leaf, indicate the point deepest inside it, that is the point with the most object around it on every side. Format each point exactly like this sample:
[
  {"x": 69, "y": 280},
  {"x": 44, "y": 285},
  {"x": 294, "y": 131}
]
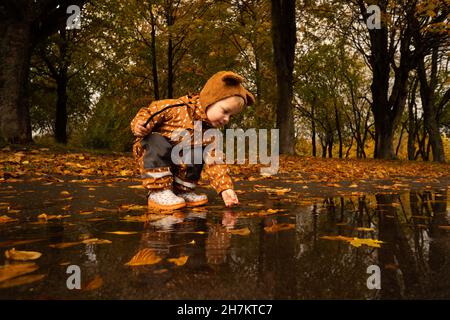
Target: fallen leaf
[
  {"x": 144, "y": 218},
  {"x": 122, "y": 232},
  {"x": 21, "y": 281},
  {"x": 144, "y": 257},
  {"x": 271, "y": 211},
  {"x": 335, "y": 185},
  {"x": 179, "y": 261},
  {"x": 277, "y": 191},
  {"x": 96, "y": 283},
  {"x": 14, "y": 270},
  {"x": 85, "y": 212},
  {"x": 63, "y": 245},
  {"x": 365, "y": 229},
  {"x": 13, "y": 254},
  {"x": 241, "y": 232},
  {"x": 136, "y": 187},
  {"x": 45, "y": 216},
  {"x": 338, "y": 238},
  {"x": 444, "y": 227},
  {"x": 279, "y": 227},
  {"x": 65, "y": 193},
  {"x": 132, "y": 207},
  {"x": 357, "y": 242},
  {"x": 5, "y": 219},
  {"x": 96, "y": 241}
]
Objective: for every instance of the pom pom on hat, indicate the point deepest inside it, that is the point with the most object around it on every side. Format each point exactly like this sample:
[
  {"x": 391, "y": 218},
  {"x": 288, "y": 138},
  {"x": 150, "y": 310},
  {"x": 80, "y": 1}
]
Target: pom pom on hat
[{"x": 222, "y": 85}]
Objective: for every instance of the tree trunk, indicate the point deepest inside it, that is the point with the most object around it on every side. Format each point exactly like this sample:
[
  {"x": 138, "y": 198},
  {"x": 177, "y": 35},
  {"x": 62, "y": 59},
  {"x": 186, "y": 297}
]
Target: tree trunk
[
  {"x": 284, "y": 40},
  {"x": 330, "y": 148},
  {"x": 61, "y": 109},
  {"x": 313, "y": 125},
  {"x": 338, "y": 127},
  {"x": 399, "y": 141},
  {"x": 153, "y": 52},
  {"x": 428, "y": 97},
  {"x": 324, "y": 149},
  {"x": 387, "y": 105},
  {"x": 170, "y": 69},
  {"x": 412, "y": 121},
  {"x": 14, "y": 109}
]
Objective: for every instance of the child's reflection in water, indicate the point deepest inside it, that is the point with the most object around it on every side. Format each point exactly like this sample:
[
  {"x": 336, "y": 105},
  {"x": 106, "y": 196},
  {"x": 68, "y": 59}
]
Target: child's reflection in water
[{"x": 219, "y": 239}]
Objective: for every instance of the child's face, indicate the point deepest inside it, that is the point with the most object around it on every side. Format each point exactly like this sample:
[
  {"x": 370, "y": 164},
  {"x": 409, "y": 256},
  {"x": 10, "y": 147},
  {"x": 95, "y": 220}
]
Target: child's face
[{"x": 219, "y": 113}]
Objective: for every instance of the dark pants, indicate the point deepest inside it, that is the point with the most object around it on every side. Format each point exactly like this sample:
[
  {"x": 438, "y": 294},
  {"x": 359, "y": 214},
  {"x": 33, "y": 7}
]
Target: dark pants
[{"x": 157, "y": 163}]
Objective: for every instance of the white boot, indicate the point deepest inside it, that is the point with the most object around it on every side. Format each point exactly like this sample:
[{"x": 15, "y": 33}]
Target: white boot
[
  {"x": 193, "y": 199},
  {"x": 165, "y": 199}
]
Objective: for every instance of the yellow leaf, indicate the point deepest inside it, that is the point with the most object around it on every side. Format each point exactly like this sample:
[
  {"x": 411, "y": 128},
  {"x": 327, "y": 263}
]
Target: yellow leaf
[
  {"x": 65, "y": 193},
  {"x": 21, "y": 280},
  {"x": 336, "y": 185},
  {"x": 13, "y": 270},
  {"x": 96, "y": 241},
  {"x": 277, "y": 191},
  {"x": 84, "y": 212},
  {"x": 136, "y": 187},
  {"x": 144, "y": 257},
  {"x": 271, "y": 211},
  {"x": 179, "y": 261},
  {"x": 365, "y": 229},
  {"x": 13, "y": 254},
  {"x": 95, "y": 283},
  {"x": 357, "y": 242},
  {"x": 144, "y": 218},
  {"x": 45, "y": 216},
  {"x": 4, "y": 219},
  {"x": 63, "y": 245},
  {"x": 122, "y": 232},
  {"x": 132, "y": 207},
  {"x": 338, "y": 238},
  {"x": 241, "y": 232},
  {"x": 279, "y": 227}
]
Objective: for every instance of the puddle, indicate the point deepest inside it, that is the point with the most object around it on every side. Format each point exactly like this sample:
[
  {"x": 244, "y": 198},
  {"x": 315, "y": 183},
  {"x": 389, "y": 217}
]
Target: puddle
[{"x": 290, "y": 252}]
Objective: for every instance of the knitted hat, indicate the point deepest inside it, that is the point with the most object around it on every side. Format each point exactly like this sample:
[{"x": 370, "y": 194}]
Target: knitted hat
[{"x": 222, "y": 85}]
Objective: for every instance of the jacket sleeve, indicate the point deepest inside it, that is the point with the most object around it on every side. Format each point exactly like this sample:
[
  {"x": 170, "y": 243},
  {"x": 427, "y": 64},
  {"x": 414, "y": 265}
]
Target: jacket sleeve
[
  {"x": 144, "y": 113},
  {"x": 218, "y": 173}
]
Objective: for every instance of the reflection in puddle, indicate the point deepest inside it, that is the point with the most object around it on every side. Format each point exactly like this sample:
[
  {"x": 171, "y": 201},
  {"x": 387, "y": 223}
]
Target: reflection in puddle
[{"x": 312, "y": 249}]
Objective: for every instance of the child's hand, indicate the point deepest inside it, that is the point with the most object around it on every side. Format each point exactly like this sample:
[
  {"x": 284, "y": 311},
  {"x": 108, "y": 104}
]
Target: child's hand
[
  {"x": 229, "y": 197},
  {"x": 140, "y": 130}
]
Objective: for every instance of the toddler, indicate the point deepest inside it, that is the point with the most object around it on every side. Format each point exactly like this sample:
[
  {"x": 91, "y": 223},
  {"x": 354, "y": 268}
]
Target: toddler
[{"x": 171, "y": 186}]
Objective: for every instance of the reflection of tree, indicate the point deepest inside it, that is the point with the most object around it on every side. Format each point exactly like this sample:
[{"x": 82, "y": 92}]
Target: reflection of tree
[
  {"x": 419, "y": 278},
  {"x": 439, "y": 255},
  {"x": 388, "y": 230},
  {"x": 217, "y": 244}
]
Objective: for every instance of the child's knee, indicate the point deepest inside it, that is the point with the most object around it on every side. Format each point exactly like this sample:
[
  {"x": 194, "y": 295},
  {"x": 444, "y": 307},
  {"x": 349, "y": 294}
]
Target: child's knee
[{"x": 157, "y": 151}]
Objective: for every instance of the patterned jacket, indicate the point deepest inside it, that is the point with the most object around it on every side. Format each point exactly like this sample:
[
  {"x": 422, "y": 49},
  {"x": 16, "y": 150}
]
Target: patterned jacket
[{"x": 181, "y": 117}]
